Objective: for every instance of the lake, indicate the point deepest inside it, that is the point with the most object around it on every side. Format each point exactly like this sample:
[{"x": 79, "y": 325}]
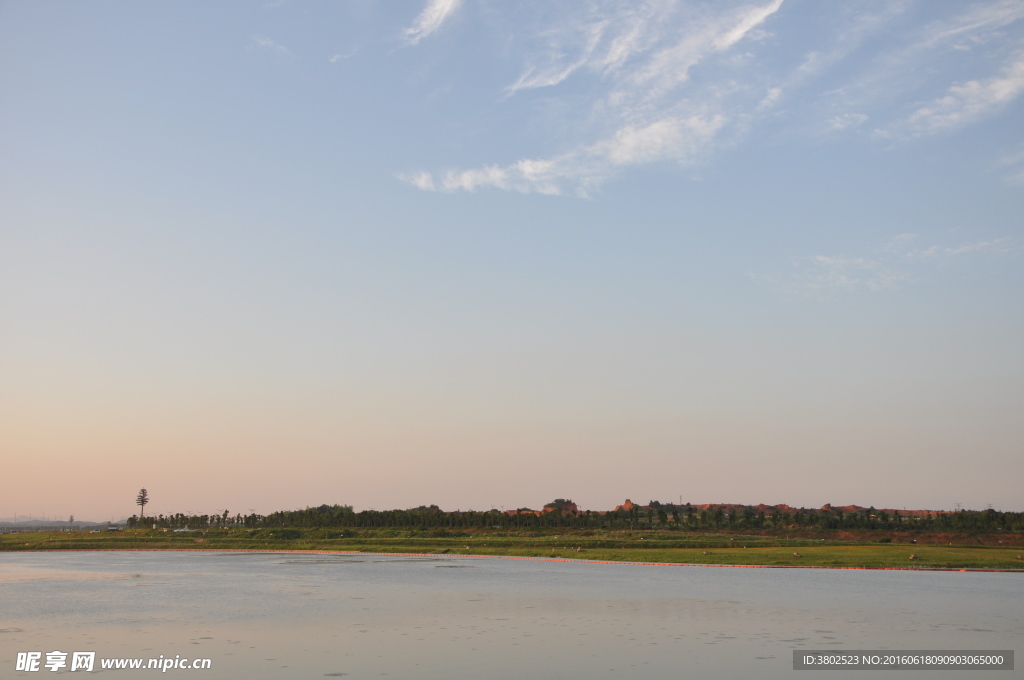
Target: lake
[{"x": 312, "y": 616}]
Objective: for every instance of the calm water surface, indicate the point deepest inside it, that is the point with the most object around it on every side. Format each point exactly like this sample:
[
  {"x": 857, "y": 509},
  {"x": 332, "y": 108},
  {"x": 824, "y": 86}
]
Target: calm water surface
[{"x": 313, "y": 616}]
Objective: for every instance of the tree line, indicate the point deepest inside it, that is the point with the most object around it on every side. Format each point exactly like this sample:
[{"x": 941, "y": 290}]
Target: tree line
[{"x": 654, "y": 516}]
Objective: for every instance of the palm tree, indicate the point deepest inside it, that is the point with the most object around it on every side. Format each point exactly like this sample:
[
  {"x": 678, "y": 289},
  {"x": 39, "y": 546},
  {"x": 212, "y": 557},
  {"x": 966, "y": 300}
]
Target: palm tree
[{"x": 141, "y": 501}]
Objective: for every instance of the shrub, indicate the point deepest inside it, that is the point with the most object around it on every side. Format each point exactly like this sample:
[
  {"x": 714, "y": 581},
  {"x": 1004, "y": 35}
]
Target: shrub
[
  {"x": 286, "y": 534},
  {"x": 328, "y": 534}
]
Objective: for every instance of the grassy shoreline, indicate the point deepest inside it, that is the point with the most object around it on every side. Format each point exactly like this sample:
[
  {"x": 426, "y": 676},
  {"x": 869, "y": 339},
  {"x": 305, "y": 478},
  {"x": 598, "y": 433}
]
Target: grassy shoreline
[{"x": 698, "y": 549}]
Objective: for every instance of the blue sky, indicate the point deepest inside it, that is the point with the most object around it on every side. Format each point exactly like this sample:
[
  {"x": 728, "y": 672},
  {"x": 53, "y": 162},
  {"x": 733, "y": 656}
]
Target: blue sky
[{"x": 489, "y": 253}]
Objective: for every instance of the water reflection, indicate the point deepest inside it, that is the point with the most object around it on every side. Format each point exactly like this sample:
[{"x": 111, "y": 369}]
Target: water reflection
[{"x": 273, "y": 616}]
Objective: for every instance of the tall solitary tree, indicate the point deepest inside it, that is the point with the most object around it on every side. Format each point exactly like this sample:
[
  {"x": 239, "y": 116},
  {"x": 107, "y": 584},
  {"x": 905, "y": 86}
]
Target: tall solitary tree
[{"x": 141, "y": 501}]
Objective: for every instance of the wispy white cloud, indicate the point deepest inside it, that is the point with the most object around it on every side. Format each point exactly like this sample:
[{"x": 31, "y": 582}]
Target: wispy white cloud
[
  {"x": 265, "y": 43},
  {"x": 676, "y": 139},
  {"x": 335, "y": 58},
  {"x": 911, "y": 67},
  {"x": 967, "y": 102},
  {"x": 420, "y": 180},
  {"x": 975, "y": 25},
  {"x": 821, "y": 274},
  {"x": 430, "y": 19},
  {"x": 845, "y": 121},
  {"x": 999, "y": 245},
  {"x": 855, "y": 25},
  {"x": 900, "y": 261},
  {"x": 670, "y": 66},
  {"x": 899, "y": 244},
  {"x": 525, "y": 176},
  {"x": 677, "y": 80},
  {"x": 1012, "y": 165},
  {"x": 893, "y": 74},
  {"x": 905, "y": 246},
  {"x": 557, "y": 69},
  {"x": 644, "y": 117}
]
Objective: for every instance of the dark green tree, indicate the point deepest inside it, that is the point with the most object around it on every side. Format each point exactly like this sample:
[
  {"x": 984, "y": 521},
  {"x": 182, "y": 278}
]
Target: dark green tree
[{"x": 141, "y": 500}]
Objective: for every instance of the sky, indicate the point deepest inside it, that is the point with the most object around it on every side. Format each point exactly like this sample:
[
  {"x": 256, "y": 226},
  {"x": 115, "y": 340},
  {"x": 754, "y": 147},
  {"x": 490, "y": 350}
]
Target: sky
[{"x": 261, "y": 256}]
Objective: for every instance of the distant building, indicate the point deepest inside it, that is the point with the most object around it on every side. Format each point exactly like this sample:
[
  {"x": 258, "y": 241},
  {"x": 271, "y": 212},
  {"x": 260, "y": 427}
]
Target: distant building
[
  {"x": 523, "y": 511},
  {"x": 566, "y": 507}
]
